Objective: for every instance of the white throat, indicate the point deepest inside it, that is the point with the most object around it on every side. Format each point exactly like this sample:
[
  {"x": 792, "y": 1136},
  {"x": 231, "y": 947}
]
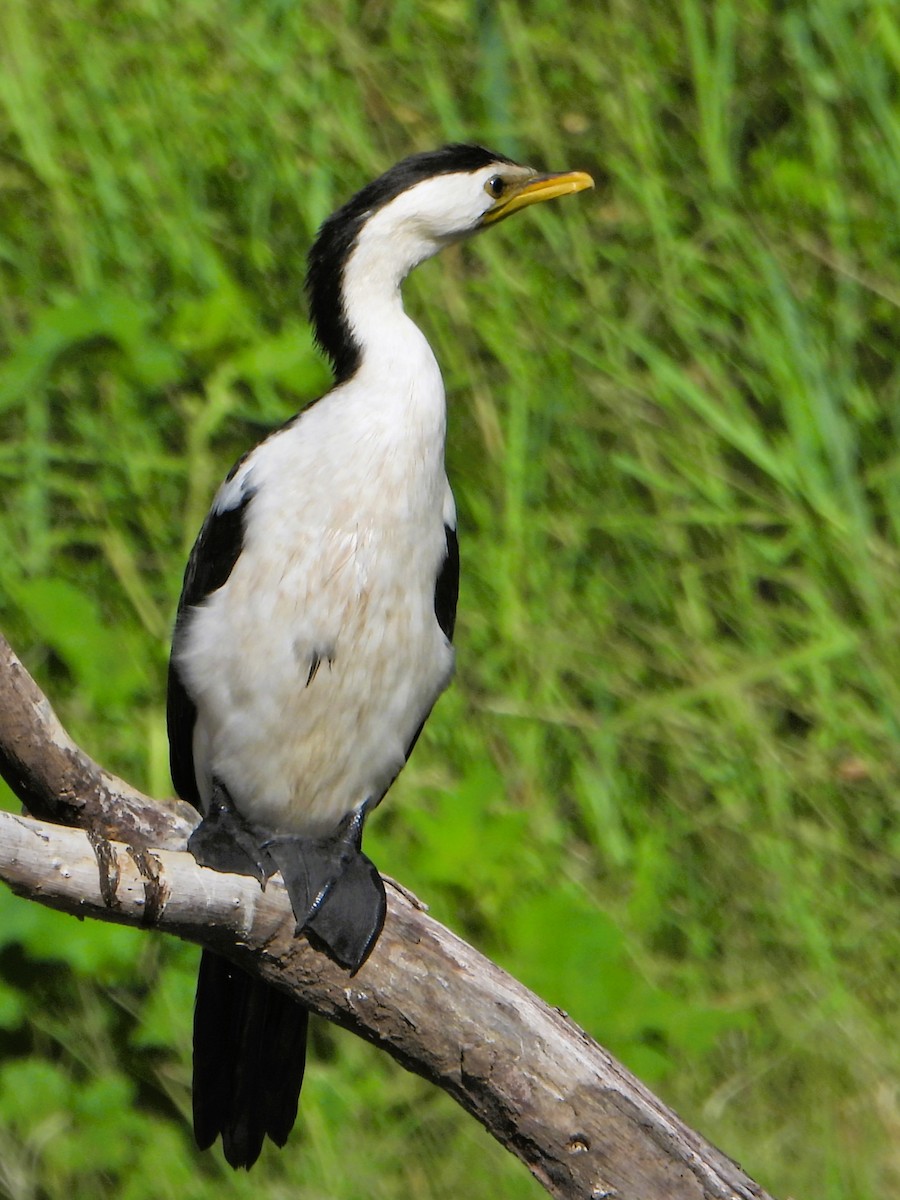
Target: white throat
[
  {"x": 410, "y": 229},
  {"x": 395, "y": 357},
  {"x": 386, "y": 337}
]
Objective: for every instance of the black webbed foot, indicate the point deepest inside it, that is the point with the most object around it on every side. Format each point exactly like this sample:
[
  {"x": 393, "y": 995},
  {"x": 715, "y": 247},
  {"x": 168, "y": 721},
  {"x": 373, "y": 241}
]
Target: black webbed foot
[
  {"x": 351, "y": 916},
  {"x": 336, "y": 892},
  {"x": 226, "y": 842}
]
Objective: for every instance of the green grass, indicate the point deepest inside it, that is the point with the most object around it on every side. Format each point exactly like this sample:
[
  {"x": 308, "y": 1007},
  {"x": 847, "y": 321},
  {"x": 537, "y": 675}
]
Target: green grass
[{"x": 663, "y": 790}]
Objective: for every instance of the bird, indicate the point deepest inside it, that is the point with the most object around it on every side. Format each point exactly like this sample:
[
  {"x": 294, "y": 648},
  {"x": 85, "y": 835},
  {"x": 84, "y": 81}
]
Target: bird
[{"x": 315, "y": 625}]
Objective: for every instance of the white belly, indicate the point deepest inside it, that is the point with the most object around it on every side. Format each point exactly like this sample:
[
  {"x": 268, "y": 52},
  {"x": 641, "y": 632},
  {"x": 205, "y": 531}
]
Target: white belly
[{"x": 314, "y": 666}]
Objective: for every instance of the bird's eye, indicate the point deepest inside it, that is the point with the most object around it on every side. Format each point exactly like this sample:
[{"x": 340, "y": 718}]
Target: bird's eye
[{"x": 495, "y": 186}]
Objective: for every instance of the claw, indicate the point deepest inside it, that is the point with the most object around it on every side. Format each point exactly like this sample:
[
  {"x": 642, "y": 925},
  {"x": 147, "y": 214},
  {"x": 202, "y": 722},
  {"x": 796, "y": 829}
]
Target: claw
[
  {"x": 225, "y": 842},
  {"x": 336, "y": 892}
]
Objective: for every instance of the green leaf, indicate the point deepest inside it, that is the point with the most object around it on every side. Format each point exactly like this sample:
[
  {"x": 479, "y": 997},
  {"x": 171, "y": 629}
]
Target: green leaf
[{"x": 103, "y": 659}]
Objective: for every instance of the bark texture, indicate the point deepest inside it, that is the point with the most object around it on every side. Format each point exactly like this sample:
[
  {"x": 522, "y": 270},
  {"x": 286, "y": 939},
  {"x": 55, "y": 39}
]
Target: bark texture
[{"x": 575, "y": 1116}]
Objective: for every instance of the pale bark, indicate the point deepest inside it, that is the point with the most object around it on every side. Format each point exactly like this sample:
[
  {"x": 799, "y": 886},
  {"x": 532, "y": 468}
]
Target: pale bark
[{"x": 584, "y": 1125}]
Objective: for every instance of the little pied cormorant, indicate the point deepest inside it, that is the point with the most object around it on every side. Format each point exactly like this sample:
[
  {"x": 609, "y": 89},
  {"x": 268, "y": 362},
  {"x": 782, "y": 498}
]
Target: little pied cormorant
[{"x": 314, "y": 628}]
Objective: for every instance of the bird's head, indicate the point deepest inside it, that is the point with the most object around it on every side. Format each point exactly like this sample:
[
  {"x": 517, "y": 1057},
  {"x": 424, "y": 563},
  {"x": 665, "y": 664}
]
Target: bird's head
[
  {"x": 420, "y": 205},
  {"x": 448, "y": 194}
]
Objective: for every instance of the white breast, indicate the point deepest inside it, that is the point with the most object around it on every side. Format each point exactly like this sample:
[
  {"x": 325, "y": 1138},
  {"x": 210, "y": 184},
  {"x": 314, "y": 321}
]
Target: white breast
[{"x": 314, "y": 665}]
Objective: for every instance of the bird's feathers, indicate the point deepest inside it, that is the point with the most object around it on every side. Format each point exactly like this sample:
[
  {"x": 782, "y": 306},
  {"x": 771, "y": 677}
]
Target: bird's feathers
[
  {"x": 446, "y": 588},
  {"x": 340, "y": 233},
  {"x": 342, "y": 522},
  {"x": 211, "y": 562},
  {"x": 249, "y": 1057}
]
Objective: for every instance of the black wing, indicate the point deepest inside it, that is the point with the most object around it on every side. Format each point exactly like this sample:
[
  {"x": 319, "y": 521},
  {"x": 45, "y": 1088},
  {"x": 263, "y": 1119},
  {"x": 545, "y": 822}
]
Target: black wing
[
  {"x": 212, "y": 560},
  {"x": 446, "y": 593},
  {"x": 446, "y": 587}
]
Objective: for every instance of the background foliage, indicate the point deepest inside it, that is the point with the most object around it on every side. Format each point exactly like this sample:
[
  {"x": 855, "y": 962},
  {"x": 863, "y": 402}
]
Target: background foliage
[{"x": 663, "y": 790}]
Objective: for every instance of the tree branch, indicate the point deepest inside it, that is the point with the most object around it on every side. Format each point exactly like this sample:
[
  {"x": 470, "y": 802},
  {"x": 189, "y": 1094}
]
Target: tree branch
[
  {"x": 57, "y": 781},
  {"x": 583, "y": 1124}
]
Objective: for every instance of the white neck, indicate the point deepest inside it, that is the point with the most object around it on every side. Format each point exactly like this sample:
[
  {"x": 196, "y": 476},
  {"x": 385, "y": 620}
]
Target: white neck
[
  {"x": 388, "y": 248},
  {"x": 397, "y": 366}
]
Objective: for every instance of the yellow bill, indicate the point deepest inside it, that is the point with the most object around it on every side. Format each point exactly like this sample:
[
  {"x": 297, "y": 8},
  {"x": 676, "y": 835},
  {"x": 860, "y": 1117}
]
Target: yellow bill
[{"x": 535, "y": 190}]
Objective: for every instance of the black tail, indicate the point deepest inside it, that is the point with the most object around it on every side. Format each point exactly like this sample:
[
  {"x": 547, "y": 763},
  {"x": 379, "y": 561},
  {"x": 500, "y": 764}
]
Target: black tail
[{"x": 249, "y": 1055}]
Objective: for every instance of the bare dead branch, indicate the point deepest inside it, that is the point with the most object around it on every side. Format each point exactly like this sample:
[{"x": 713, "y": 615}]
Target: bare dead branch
[
  {"x": 57, "y": 781},
  {"x": 584, "y": 1125}
]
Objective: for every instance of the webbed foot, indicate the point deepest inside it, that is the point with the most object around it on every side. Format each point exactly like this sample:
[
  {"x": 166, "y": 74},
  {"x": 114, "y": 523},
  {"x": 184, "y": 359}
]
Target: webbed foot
[
  {"x": 226, "y": 842},
  {"x": 336, "y": 892}
]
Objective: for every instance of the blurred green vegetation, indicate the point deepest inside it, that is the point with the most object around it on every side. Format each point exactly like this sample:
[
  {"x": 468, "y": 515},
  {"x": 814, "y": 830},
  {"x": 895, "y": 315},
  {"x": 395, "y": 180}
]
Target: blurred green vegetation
[{"x": 663, "y": 790}]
